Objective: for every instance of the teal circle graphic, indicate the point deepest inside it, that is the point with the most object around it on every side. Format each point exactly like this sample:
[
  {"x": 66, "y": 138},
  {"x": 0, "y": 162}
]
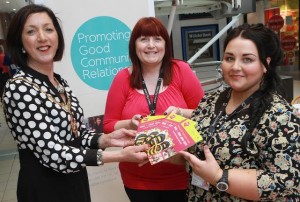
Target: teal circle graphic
[{"x": 99, "y": 50}]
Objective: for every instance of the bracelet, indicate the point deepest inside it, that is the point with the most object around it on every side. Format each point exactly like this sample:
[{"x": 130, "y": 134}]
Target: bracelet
[
  {"x": 213, "y": 181},
  {"x": 99, "y": 157}
]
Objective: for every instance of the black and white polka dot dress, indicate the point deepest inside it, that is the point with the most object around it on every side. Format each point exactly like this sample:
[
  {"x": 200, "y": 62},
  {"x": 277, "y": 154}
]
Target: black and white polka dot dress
[{"x": 52, "y": 159}]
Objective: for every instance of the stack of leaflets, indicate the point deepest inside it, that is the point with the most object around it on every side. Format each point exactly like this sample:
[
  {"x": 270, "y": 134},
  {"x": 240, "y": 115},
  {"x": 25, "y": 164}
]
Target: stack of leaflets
[{"x": 166, "y": 135}]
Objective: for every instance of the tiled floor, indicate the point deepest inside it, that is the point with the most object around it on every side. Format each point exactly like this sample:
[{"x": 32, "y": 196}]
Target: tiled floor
[{"x": 9, "y": 162}]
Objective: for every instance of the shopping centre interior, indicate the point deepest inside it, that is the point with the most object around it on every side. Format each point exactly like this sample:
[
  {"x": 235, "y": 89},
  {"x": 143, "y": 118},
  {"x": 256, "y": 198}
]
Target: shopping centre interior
[{"x": 280, "y": 15}]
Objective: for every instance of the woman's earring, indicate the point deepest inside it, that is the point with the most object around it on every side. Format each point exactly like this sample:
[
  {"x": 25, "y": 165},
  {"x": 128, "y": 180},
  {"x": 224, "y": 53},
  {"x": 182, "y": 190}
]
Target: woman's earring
[{"x": 23, "y": 51}]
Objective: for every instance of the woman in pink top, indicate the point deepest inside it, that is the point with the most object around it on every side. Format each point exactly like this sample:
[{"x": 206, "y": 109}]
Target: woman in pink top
[{"x": 154, "y": 82}]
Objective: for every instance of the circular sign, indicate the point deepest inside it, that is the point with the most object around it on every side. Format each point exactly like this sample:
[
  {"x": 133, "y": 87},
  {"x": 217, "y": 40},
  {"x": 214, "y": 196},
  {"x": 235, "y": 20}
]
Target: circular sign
[
  {"x": 99, "y": 50},
  {"x": 276, "y": 22},
  {"x": 288, "y": 43},
  {"x": 290, "y": 54}
]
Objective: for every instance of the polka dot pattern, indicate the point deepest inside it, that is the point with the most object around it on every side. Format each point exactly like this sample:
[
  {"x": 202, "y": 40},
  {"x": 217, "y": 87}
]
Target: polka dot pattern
[{"x": 39, "y": 124}]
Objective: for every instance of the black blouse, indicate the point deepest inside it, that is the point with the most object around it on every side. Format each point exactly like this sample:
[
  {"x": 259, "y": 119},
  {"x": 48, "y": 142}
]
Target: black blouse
[
  {"x": 53, "y": 155},
  {"x": 273, "y": 148}
]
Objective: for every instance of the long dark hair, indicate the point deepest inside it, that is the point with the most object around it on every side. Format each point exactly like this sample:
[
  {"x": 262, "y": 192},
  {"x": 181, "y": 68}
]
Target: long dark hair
[
  {"x": 149, "y": 26},
  {"x": 14, "y": 34},
  {"x": 268, "y": 45}
]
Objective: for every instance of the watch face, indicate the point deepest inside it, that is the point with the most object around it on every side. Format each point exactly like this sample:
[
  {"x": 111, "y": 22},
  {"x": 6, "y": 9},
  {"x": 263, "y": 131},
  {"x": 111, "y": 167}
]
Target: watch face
[{"x": 222, "y": 186}]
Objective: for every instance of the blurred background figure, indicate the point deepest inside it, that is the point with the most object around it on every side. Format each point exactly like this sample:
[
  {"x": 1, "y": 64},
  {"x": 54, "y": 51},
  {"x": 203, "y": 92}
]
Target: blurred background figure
[
  {"x": 4, "y": 69},
  {"x": 97, "y": 126}
]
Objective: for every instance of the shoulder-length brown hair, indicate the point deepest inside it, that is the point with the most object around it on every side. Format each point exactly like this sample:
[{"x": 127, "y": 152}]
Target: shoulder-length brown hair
[
  {"x": 14, "y": 34},
  {"x": 149, "y": 26}
]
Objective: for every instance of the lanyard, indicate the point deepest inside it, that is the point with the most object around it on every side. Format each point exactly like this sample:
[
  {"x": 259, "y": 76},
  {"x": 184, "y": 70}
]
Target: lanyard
[
  {"x": 237, "y": 110},
  {"x": 152, "y": 105}
]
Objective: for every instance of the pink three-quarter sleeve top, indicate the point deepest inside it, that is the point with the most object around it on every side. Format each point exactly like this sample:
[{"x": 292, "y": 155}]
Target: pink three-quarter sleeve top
[{"x": 123, "y": 102}]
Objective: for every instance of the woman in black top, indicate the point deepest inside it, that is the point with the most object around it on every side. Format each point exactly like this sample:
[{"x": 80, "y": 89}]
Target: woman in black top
[{"x": 250, "y": 148}]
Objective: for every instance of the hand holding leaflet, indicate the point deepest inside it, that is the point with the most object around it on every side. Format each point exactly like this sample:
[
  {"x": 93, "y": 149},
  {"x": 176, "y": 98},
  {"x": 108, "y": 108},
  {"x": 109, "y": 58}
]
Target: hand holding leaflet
[{"x": 166, "y": 135}]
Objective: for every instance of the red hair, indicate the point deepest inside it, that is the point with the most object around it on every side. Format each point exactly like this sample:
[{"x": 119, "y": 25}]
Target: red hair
[{"x": 149, "y": 26}]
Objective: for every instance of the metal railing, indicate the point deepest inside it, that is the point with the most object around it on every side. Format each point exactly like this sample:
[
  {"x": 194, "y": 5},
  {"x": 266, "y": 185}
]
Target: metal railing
[{"x": 210, "y": 75}]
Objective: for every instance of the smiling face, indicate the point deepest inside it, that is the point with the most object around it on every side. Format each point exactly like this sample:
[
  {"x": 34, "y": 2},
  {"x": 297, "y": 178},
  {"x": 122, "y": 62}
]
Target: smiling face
[
  {"x": 150, "y": 50},
  {"x": 40, "y": 39},
  {"x": 241, "y": 66}
]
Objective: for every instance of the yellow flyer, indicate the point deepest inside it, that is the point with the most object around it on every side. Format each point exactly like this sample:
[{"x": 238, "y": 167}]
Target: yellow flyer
[{"x": 166, "y": 135}]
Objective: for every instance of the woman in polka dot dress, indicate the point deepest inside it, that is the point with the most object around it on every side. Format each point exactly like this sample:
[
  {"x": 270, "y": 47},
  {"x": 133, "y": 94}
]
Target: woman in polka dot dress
[{"x": 45, "y": 117}]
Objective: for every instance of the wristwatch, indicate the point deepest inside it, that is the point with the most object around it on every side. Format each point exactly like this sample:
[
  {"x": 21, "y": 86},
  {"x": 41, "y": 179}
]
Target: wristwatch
[{"x": 222, "y": 184}]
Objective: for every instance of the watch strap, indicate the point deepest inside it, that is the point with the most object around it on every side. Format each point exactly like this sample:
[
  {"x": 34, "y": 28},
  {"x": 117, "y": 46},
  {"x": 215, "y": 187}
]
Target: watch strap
[
  {"x": 222, "y": 184},
  {"x": 224, "y": 177}
]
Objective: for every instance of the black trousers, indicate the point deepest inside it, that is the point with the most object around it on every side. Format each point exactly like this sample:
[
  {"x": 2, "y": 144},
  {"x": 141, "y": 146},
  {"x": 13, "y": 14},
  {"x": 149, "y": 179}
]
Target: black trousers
[{"x": 155, "y": 195}]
